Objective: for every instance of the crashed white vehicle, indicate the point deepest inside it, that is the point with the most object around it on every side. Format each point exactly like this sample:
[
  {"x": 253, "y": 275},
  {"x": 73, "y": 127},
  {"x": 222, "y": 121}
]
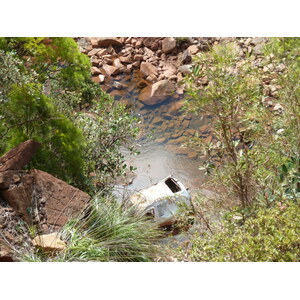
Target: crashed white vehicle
[{"x": 160, "y": 200}]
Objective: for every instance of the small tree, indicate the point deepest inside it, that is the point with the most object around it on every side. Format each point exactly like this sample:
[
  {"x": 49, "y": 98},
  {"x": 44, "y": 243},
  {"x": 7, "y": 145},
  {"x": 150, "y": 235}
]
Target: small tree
[{"x": 234, "y": 100}]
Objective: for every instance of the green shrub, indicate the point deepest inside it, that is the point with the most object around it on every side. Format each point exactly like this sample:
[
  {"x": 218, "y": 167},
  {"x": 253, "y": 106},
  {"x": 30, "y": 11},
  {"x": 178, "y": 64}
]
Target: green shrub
[
  {"x": 29, "y": 114},
  {"x": 43, "y": 85},
  {"x": 106, "y": 233},
  {"x": 271, "y": 235}
]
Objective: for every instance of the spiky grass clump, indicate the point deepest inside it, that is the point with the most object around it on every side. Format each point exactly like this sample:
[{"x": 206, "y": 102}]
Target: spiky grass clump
[{"x": 106, "y": 233}]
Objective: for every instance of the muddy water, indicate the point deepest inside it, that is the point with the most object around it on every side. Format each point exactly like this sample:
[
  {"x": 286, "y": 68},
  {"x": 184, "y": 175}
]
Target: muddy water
[{"x": 164, "y": 129}]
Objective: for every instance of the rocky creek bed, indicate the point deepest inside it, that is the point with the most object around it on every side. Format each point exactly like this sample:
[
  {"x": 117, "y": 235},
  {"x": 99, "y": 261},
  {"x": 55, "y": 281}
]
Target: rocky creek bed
[{"x": 145, "y": 73}]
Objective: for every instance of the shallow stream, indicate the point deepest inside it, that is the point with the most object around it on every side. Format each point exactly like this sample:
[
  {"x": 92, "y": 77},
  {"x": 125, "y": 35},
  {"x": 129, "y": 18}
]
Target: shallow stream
[{"x": 164, "y": 129}]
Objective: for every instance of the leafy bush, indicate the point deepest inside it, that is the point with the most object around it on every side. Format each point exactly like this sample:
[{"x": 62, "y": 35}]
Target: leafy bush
[
  {"x": 107, "y": 127},
  {"x": 29, "y": 114},
  {"x": 44, "y": 83},
  {"x": 271, "y": 235},
  {"x": 233, "y": 99}
]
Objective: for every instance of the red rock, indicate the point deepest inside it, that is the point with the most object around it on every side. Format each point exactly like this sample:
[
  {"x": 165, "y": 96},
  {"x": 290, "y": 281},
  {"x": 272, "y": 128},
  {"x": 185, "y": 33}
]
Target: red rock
[
  {"x": 148, "y": 52},
  {"x": 18, "y": 196},
  {"x": 117, "y": 63},
  {"x": 95, "y": 62},
  {"x": 110, "y": 70},
  {"x": 168, "y": 44},
  {"x": 136, "y": 64},
  {"x": 25, "y": 190},
  {"x": 126, "y": 59},
  {"x": 105, "y": 41},
  {"x": 157, "y": 92},
  {"x": 102, "y": 52},
  {"x": 138, "y": 57},
  {"x": 62, "y": 201},
  {"x": 170, "y": 70},
  {"x": 151, "y": 78},
  {"x": 19, "y": 156},
  {"x": 154, "y": 45},
  {"x": 93, "y": 52},
  {"x": 193, "y": 49},
  {"x": 148, "y": 69},
  {"x": 148, "y": 41},
  {"x": 95, "y": 71},
  {"x": 192, "y": 155},
  {"x": 139, "y": 44},
  {"x": 153, "y": 59}
]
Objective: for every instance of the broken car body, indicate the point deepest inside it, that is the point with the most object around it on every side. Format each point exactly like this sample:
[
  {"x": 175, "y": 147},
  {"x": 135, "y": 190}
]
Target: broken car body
[{"x": 160, "y": 201}]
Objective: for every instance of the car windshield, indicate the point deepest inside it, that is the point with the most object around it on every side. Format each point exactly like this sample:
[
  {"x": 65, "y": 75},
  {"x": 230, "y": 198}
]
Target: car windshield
[{"x": 172, "y": 184}]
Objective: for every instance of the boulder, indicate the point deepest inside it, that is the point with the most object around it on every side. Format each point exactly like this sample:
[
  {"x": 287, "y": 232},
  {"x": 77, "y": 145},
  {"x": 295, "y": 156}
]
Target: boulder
[
  {"x": 60, "y": 200},
  {"x": 37, "y": 195},
  {"x": 105, "y": 42},
  {"x": 18, "y": 195},
  {"x": 8, "y": 177},
  {"x": 148, "y": 69},
  {"x": 157, "y": 92},
  {"x": 19, "y": 156},
  {"x": 49, "y": 242},
  {"x": 110, "y": 70},
  {"x": 168, "y": 45}
]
